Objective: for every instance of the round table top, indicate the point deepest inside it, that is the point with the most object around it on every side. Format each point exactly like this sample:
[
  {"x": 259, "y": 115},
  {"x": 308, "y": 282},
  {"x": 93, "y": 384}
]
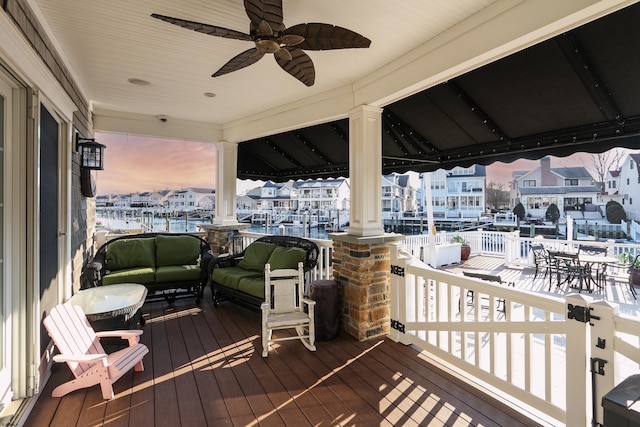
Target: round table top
[{"x": 110, "y": 299}]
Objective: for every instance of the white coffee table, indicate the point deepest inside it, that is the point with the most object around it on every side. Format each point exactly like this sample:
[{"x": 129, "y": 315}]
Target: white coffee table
[{"x": 112, "y": 306}]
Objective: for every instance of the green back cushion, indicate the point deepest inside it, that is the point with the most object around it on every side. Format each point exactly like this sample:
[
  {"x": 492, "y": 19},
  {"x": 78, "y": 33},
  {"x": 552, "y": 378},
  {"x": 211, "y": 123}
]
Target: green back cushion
[
  {"x": 256, "y": 256},
  {"x": 131, "y": 253},
  {"x": 282, "y": 257},
  {"x": 177, "y": 250}
]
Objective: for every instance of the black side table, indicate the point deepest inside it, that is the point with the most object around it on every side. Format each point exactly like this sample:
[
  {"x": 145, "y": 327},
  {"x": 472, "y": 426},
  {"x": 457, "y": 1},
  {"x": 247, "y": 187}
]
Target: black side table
[{"x": 325, "y": 294}]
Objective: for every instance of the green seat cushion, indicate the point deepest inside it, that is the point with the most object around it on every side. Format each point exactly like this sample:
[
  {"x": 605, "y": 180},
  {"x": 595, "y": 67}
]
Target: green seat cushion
[
  {"x": 253, "y": 286},
  {"x": 131, "y": 253},
  {"x": 142, "y": 276},
  {"x": 256, "y": 256},
  {"x": 230, "y": 276},
  {"x": 282, "y": 257},
  {"x": 177, "y": 250},
  {"x": 178, "y": 273}
]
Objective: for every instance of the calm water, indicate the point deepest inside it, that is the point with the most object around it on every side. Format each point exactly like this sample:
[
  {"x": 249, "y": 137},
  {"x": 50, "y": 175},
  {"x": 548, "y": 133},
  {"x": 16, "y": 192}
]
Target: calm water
[{"x": 191, "y": 226}]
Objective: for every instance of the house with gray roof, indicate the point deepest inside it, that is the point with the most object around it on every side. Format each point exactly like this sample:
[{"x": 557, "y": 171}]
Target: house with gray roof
[
  {"x": 455, "y": 193},
  {"x": 572, "y": 189},
  {"x": 628, "y": 186}
]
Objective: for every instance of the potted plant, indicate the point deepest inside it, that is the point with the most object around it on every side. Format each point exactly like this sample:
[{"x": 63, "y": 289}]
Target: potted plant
[
  {"x": 465, "y": 250},
  {"x": 633, "y": 263}
]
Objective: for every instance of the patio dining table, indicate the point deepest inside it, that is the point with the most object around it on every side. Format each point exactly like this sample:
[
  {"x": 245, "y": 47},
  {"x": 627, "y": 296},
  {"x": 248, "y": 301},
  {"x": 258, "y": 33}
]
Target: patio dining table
[{"x": 596, "y": 265}]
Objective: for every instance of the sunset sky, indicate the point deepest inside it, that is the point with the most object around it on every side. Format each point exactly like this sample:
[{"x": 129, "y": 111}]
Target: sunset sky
[{"x": 136, "y": 164}]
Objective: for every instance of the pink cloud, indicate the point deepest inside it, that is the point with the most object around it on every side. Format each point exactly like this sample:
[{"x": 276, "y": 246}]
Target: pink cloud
[{"x": 135, "y": 163}]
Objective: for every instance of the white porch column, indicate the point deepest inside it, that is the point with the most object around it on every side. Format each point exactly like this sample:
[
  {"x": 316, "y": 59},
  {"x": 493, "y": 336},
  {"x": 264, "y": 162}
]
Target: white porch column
[
  {"x": 226, "y": 172},
  {"x": 365, "y": 171}
]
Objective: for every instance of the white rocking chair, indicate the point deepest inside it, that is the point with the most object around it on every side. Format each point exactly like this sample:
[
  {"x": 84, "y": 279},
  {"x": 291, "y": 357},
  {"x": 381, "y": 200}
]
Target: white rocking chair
[
  {"x": 80, "y": 347},
  {"x": 284, "y": 308}
]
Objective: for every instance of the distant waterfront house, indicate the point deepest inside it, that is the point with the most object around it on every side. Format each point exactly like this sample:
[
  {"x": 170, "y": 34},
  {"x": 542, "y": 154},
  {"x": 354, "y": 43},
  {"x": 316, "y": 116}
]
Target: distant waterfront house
[
  {"x": 205, "y": 198},
  {"x": 146, "y": 199},
  {"x": 572, "y": 189},
  {"x": 612, "y": 187},
  {"x": 323, "y": 194},
  {"x": 182, "y": 200},
  {"x": 123, "y": 201},
  {"x": 629, "y": 185},
  {"x": 398, "y": 195},
  {"x": 459, "y": 192},
  {"x": 278, "y": 197}
]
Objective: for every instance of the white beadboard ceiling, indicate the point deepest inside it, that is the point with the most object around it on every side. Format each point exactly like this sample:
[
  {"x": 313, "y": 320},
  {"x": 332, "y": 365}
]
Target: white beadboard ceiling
[{"x": 108, "y": 42}]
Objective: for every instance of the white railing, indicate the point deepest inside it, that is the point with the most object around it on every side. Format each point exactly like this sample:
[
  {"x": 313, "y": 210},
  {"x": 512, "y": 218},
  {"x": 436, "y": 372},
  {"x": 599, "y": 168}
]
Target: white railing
[{"x": 529, "y": 346}]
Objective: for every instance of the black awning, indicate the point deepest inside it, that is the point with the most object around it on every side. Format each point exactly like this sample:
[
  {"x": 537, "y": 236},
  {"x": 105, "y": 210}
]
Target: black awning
[{"x": 577, "y": 92}]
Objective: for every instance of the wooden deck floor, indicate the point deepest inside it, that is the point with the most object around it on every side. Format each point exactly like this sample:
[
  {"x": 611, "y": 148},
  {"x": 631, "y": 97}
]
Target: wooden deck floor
[{"x": 205, "y": 369}]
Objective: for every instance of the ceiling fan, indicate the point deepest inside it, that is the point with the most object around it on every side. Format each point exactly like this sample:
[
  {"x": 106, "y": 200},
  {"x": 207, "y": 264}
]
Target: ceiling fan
[{"x": 270, "y": 35}]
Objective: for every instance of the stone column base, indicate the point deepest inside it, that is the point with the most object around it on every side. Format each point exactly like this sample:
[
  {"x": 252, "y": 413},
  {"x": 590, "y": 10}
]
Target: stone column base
[
  {"x": 362, "y": 268},
  {"x": 218, "y": 236}
]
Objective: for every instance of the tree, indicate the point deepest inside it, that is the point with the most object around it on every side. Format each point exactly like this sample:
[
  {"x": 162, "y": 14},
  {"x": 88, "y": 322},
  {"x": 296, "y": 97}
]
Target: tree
[
  {"x": 519, "y": 211},
  {"x": 496, "y": 195},
  {"x": 602, "y": 163},
  {"x": 553, "y": 213}
]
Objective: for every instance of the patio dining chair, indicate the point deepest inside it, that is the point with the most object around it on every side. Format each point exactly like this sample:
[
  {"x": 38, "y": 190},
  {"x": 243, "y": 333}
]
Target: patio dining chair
[
  {"x": 567, "y": 268},
  {"x": 598, "y": 271},
  {"x": 632, "y": 270},
  {"x": 541, "y": 259},
  {"x": 80, "y": 348},
  {"x": 284, "y": 308}
]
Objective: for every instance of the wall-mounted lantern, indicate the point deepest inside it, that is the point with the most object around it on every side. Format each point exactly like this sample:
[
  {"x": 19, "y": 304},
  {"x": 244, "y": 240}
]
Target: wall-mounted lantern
[
  {"x": 91, "y": 153},
  {"x": 91, "y": 158}
]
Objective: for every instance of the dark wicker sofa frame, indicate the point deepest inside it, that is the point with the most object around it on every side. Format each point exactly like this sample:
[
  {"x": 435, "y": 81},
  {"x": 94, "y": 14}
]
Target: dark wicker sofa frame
[
  {"x": 222, "y": 293},
  {"x": 93, "y": 271}
]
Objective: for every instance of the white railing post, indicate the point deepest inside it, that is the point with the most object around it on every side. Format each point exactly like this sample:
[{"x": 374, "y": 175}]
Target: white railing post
[
  {"x": 602, "y": 351},
  {"x": 578, "y": 388},
  {"x": 398, "y": 297}
]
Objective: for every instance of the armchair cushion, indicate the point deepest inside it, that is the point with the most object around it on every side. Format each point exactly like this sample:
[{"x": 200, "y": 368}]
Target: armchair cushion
[
  {"x": 253, "y": 286},
  {"x": 131, "y": 253},
  {"x": 177, "y": 273},
  {"x": 283, "y": 257},
  {"x": 256, "y": 256},
  {"x": 130, "y": 275},
  {"x": 176, "y": 250},
  {"x": 231, "y": 276}
]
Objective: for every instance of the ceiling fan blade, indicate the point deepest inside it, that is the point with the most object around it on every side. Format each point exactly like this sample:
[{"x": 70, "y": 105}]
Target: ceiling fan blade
[
  {"x": 300, "y": 66},
  {"x": 318, "y": 36},
  {"x": 238, "y": 62},
  {"x": 263, "y": 12},
  {"x": 211, "y": 30}
]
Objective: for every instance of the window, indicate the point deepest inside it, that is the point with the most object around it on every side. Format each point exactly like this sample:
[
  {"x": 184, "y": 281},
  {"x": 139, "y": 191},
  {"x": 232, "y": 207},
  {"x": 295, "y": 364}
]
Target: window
[
  {"x": 529, "y": 183},
  {"x": 571, "y": 181},
  {"x": 630, "y": 201},
  {"x": 630, "y": 163},
  {"x": 627, "y": 181}
]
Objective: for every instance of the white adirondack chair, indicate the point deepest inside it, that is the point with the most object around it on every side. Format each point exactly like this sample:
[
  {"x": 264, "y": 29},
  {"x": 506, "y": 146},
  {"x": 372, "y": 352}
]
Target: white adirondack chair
[
  {"x": 284, "y": 308},
  {"x": 80, "y": 348}
]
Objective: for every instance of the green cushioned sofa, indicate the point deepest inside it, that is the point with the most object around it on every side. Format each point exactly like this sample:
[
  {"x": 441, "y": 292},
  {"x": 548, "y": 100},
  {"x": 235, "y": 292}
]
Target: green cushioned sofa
[
  {"x": 168, "y": 264},
  {"x": 241, "y": 277}
]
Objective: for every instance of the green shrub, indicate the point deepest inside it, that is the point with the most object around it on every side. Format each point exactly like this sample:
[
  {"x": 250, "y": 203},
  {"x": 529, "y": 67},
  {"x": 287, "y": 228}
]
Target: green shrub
[
  {"x": 615, "y": 213},
  {"x": 518, "y": 211},
  {"x": 553, "y": 213}
]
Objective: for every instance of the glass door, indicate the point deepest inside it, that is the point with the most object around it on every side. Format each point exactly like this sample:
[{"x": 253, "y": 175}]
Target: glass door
[{"x": 5, "y": 292}]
